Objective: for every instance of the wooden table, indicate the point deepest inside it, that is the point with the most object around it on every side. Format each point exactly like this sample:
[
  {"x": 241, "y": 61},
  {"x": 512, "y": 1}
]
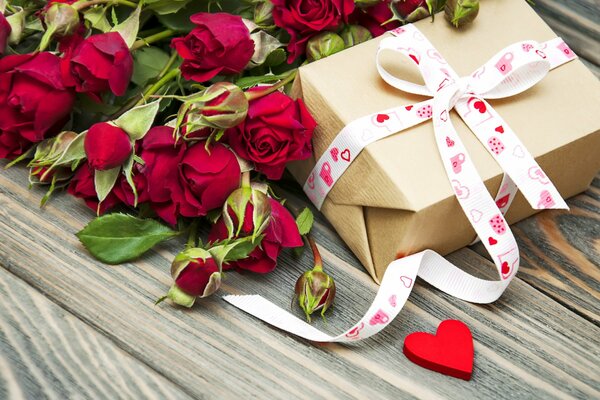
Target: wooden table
[{"x": 71, "y": 327}]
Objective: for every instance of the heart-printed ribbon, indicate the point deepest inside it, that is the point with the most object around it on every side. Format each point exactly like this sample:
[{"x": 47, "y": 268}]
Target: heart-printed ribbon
[{"x": 512, "y": 71}]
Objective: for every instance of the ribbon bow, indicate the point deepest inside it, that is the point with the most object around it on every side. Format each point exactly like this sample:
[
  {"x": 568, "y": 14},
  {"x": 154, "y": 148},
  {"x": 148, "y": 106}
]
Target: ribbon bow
[{"x": 512, "y": 71}]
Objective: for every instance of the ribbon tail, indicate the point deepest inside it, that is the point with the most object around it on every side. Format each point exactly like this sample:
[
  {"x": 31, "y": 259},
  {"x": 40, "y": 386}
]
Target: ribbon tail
[
  {"x": 510, "y": 153},
  {"x": 396, "y": 286}
]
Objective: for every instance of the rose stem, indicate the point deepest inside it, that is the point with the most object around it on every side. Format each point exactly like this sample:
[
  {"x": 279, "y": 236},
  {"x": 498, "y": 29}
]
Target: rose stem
[
  {"x": 173, "y": 74},
  {"x": 261, "y": 93},
  {"x": 167, "y": 33},
  {"x": 316, "y": 254},
  {"x": 193, "y": 234},
  {"x": 132, "y": 102},
  {"x": 246, "y": 179},
  {"x": 85, "y": 4}
]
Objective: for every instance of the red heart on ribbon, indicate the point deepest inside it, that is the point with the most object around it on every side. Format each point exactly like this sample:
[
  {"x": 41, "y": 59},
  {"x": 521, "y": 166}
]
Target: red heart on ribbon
[
  {"x": 345, "y": 155},
  {"x": 408, "y": 108},
  {"x": 480, "y": 106},
  {"x": 449, "y": 351},
  {"x": 381, "y": 118},
  {"x": 492, "y": 241},
  {"x": 505, "y": 268},
  {"x": 499, "y": 129}
]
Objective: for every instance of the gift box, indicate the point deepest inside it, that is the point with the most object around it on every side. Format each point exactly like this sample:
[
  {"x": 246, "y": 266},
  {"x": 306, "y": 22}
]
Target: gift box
[{"x": 395, "y": 199}]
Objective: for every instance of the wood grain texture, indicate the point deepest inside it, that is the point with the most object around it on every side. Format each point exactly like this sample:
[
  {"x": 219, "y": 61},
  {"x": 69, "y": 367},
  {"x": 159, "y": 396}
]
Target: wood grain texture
[
  {"x": 561, "y": 253},
  {"x": 45, "y": 352},
  {"x": 526, "y": 344},
  {"x": 577, "y": 22}
]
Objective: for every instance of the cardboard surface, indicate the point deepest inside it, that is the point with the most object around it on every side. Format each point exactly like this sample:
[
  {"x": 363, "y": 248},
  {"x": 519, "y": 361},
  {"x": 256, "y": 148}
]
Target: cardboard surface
[{"x": 395, "y": 199}]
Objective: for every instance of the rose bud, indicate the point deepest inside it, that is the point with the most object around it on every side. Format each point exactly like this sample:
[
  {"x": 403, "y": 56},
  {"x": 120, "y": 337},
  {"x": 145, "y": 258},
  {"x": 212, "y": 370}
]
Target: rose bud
[
  {"x": 51, "y": 150},
  {"x": 236, "y": 208},
  {"x": 34, "y": 104},
  {"x": 5, "y": 30},
  {"x": 323, "y": 45},
  {"x": 281, "y": 232},
  {"x": 61, "y": 19},
  {"x": 196, "y": 274},
  {"x": 461, "y": 12},
  {"x": 97, "y": 64},
  {"x": 315, "y": 289},
  {"x": 106, "y": 146},
  {"x": 355, "y": 34},
  {"x": 219, "y": 44},
  {"x": 223, "y": 105},
  {"x": 263, "y": 13}
]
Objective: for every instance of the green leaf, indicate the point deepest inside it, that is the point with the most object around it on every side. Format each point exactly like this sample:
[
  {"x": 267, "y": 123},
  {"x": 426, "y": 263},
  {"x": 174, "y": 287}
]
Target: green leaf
[
  {"x": 148, "y": 62},
  {"x": 96, "y": 16},
  {"x": 129, "y": 28},
  {"x": 74, "y": 153},
  {"x": 138, "y": 121},
  {"x": 163, "y": 7},
  {"x": 277, "y": 57},
  {"x": 104, "y": 181},
  {"x": 117, "y": 238},
  {"x": 305, "y": 221}
]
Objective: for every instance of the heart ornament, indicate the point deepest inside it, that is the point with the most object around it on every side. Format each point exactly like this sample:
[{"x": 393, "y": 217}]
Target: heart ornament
[{"x": 449, "y": 352}]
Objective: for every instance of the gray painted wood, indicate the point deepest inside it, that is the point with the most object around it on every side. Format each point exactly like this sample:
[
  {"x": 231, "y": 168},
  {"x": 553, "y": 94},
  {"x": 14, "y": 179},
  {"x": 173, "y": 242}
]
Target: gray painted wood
[
  {"x": 577, "y": 22},
  {"x": 46, "y": 352},
  {"x": 527, "y": 345},
  {"x": 560, "y": 256}
]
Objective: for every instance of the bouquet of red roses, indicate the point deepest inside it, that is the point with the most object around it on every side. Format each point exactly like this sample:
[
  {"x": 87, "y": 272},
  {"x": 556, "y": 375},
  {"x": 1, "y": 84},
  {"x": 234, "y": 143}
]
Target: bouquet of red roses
[{"x": 175, "y": 112}]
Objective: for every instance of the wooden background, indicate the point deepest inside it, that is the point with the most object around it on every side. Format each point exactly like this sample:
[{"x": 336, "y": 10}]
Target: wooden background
[{"x": 71, "y": 327}]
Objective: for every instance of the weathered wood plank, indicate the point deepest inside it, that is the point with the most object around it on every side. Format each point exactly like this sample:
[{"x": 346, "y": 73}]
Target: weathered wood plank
[
  {"x": 577, "y": 22},
  {"x": 526, "y": 344},
  {"x": 45, "y": 352},
  {"x": 561, "y": 253}
]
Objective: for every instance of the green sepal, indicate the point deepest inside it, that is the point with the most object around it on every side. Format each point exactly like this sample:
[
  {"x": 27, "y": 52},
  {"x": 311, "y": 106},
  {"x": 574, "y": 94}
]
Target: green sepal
[
  {"x": 104, "y": 181},
  {"x": 178, "y": 296},
  {"x": 129, "y": 28},
  {"x": 138, "y": 121}
]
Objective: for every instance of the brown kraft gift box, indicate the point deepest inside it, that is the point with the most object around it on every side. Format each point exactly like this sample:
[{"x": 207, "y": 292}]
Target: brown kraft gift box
[{"x": 395, "y": 199}]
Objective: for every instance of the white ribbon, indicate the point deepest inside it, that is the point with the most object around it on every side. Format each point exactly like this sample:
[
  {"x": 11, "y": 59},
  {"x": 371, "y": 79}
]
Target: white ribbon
[{"x": 511, "y": 71}]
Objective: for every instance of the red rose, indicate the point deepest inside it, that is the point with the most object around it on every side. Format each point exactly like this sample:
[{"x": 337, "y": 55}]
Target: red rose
[
  {"x": 34, "y": 104},
  {"x": 302, "y": 19},
  {"x": 186, "y": 180},
  {"x": 97, "y": 64},
  {"x": 82, "y": 186},
  {"x": 194, "y": 278},
  {"x": 282, "y": 231},
  {"x": 372, "y": 18},
  {"x": 106, "y": 146},
  {"x": 276, "y": 130},
  {"x": 220, "y": 44},
  {"x": 5, "y": 30}
]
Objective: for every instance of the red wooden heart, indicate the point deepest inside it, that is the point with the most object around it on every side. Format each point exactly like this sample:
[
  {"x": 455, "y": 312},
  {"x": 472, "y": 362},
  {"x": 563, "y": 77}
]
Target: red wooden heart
[{"x": 449, "y": 351}]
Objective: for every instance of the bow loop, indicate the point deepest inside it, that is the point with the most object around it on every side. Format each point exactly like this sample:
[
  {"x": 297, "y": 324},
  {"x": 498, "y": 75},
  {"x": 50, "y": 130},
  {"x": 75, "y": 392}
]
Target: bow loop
[{"x": 511, "y": 71}]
